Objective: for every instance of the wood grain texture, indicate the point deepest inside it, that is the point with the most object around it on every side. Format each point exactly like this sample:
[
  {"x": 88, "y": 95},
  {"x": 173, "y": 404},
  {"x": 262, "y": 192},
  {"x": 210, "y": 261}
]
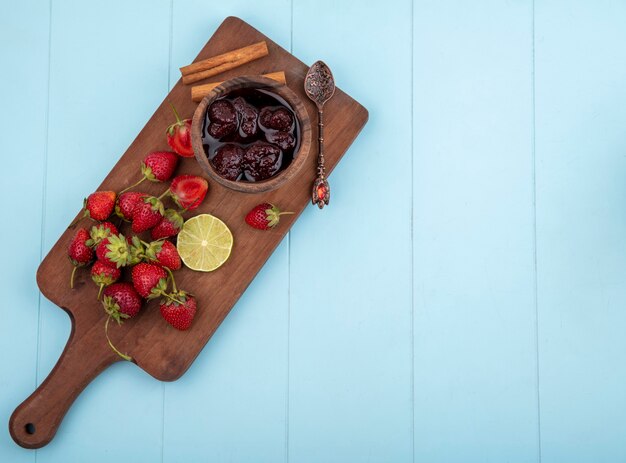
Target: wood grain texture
[
  {"x": 162, "y": 352},
  {"x": 119, "y": 85},
  {"x": 241, "y": 377},
  {"x": 107, "y": 100},
  {"x": 310, "y": 379}
]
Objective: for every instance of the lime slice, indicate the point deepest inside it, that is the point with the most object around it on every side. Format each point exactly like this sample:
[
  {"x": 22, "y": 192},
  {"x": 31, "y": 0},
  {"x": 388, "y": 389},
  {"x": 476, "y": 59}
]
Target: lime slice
[{"x": 204, "y": 243}]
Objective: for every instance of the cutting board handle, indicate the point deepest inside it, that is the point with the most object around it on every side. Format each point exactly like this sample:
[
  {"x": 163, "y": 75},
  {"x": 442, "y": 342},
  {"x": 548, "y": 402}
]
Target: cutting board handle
[{"x": 36, "y": 420}]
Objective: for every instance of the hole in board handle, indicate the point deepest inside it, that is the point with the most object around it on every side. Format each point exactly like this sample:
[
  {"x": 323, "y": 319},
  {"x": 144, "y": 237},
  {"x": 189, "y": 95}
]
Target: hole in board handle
[{"x": 29, "y": 428}]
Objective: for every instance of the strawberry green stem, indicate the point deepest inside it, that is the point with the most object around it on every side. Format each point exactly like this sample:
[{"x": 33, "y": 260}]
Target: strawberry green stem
[
  {"x": 100, "y": 290},
  {"x": 132, "y": 186},
  {"x": 172, "y": 278},
  {"x": 106, "y": 332},
  {"x": 176, "y": 113},
  {"x": 172, "y": 298},
  {"x": 164, "y": 193},
  {"x": 72, "y": 277},
  {"x": 286, "y": 213}
]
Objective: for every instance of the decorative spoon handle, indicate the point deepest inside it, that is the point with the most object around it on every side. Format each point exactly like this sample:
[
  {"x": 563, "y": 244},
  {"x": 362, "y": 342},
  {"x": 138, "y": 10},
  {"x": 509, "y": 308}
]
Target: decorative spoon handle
[
  {"x": 319, "y": 86},
  {"x": 321, "y": 189}
]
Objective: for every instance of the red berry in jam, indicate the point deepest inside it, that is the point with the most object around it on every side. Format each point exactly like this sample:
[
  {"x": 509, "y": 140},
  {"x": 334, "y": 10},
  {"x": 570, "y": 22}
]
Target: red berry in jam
[
  {"x": 261, "y": 161},
  {"x": 222, "y": 111},
  {"x": 284, "y": 140},
  {"x": 277, "y": 119},
  {"x": 228, "y": 161},
  {"x": 247, "y": 117},
  {"x": 219, "y": 130}
]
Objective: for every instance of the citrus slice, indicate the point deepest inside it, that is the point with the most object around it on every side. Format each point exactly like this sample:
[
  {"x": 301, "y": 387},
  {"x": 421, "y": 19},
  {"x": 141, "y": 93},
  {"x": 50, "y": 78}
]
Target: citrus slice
[{"x": 204, "y": 243}]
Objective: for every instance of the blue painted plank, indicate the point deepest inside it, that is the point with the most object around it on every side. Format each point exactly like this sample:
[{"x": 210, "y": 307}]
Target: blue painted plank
[
  {"x": 24, "y": 94},
  {"x": 350, "y": 368},
  {"x": 581, "y": 224},
  {"x": 475, "y": 356},
  {"x": 109, "y": 64},
  {"x": 231, "y": 402},
  {"x": 343, "y": 391}
]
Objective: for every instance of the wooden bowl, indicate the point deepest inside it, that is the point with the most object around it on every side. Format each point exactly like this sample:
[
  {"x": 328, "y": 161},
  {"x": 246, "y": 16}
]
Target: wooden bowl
[{"x": 262, "y": 83}]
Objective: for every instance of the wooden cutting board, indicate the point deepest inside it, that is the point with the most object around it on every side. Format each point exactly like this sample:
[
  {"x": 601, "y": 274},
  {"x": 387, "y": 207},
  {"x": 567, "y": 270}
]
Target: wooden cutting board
[{"x": 156, "y": 347}]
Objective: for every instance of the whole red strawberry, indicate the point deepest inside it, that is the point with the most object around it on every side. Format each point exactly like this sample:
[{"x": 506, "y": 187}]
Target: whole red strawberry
[
  {"x": 188, "y": 191},
  {"x": 178, "y": 309},
  {"x": 147, "y": 213},
  {"x": 104, "y": 275},
  {"x": 101, "y": 231},
  {"x": 179, "y": 136},
  {"x": 79, "y": 253},
  {"x": 150, "y": 280},
  {"x": 163, "y": 253},
  {"x": 264, "y": 216},
  {"x": 159, "y": 166},
  {"x": 126, "y": 204},
  {"x": 121, "y": 300},
  {"x": 99, "y": 205},
  {"x": 170, "y": 225},
  {"x": 114, "y": 251}
]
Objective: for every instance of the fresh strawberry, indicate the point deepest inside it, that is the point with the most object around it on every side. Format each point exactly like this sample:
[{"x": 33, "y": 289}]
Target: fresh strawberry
[
  {"x": 150, "y": 280},
  {"x": 101, "y": 231},
  {"x": 99, "y": 205},
  {"x": 79, "y": 252},
  {"x": 179, "y": 136},
  {"x": 104, "y": 274},
  {"x": 163, "y": 253},
  {"x": 188, "y": 191},
  {"x": 121, "y": 301},
  {"x": 114, "y": 251},
  {"x": 157, "y": 166},
  {"x": 136, "y": 250},
  {"x": 178, "y": 309},
  {"x": 264, "y": 216},
  {"x": 126, "y": 204},
  {"x": 170, "y": 225},
  {"x": 147, "y": 213}
]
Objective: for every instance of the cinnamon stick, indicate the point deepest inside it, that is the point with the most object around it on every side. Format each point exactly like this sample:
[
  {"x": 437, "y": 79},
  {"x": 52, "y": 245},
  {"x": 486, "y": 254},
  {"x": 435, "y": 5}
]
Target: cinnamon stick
[
  {"x": 224, "y": 62},
  {"x": 200, "y": 91}
]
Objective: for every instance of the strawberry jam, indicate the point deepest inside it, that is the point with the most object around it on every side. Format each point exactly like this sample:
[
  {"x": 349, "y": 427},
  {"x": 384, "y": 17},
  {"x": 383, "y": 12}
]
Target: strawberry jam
[{"x": 250, "y": 135}]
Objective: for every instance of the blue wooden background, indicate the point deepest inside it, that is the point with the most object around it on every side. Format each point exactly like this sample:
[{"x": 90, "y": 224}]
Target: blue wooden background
[{"x": 474, "y": 306}]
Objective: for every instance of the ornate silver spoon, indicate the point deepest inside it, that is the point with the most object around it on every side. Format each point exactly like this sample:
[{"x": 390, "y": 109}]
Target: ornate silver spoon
[{"x": 319, "y": 86}]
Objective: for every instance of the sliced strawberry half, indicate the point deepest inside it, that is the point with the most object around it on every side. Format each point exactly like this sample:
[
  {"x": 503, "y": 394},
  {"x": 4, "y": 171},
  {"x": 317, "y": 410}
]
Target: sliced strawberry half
[
  {"x": 179, "y": 136},
  {"x": 188, "y": 191}
]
